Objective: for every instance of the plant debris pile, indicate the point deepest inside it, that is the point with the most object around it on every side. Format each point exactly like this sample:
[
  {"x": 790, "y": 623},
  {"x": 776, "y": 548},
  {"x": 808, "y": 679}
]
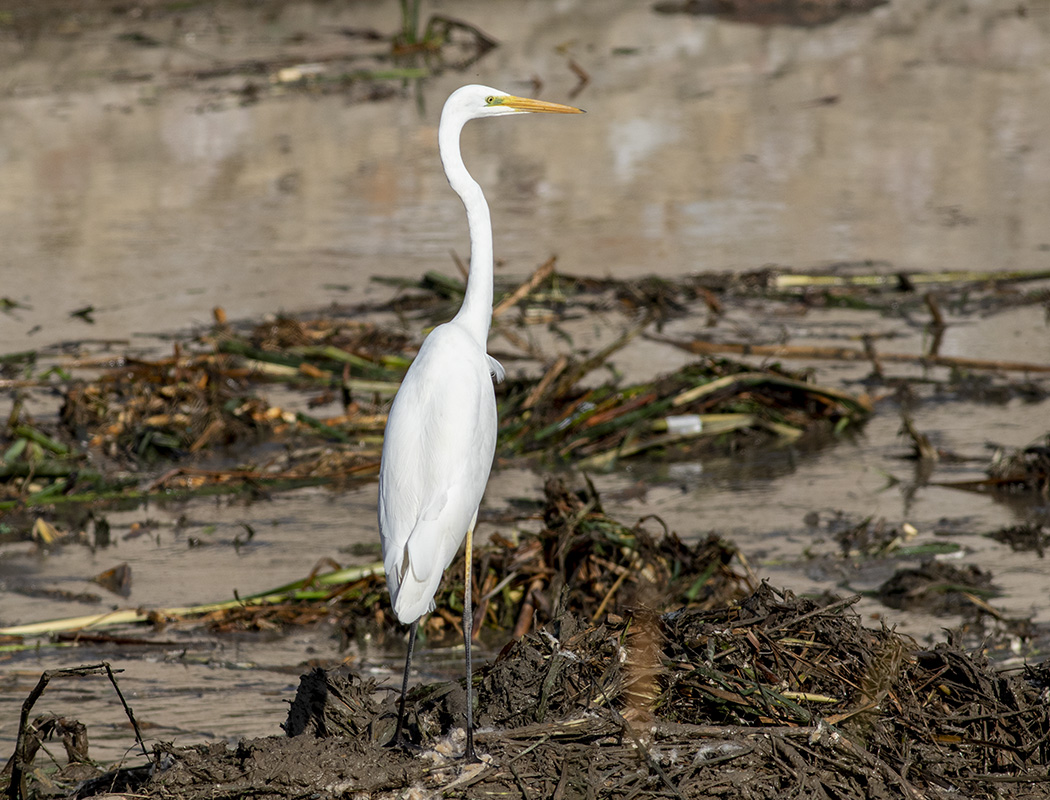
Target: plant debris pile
[
  {"x": 1025, "y": 537},
  {"x": 594, "y": 561},
  {"x": 1023, "y": 470},
  {"x": 714, "y": 401},
  {"x": 158, "y": 410},
  {"x": 191, "y": 414},
  {"x": 938, "y": 588},
  {"x": 1012, "y": 472},
  {"x": 582, "y": 561},
  {"x": 320, "y": 347},
  {"x": 775, "y": 696}
]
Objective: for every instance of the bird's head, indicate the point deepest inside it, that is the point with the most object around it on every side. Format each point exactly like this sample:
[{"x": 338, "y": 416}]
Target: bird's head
[{"x": 476, "y": 102}]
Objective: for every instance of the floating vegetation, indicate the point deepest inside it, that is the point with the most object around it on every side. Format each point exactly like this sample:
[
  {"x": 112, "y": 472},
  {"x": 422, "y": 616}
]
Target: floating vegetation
[
  {"x": 201, "y": 420},
  {"x": 1024, "y": 470},
  {"x": 715, "y": 400},
  {"x": 187, "y": 413},
  {"x": 1025, "y": 537},
  {"x": 581, "y": 561},
  {"x": 162, "y": 410},
  {"x": 938, "y": 588}
]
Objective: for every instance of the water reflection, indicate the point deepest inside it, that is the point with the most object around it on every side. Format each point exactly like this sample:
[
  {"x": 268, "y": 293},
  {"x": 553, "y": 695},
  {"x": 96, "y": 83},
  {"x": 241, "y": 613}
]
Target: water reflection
[{"x": 909, "y": 135}]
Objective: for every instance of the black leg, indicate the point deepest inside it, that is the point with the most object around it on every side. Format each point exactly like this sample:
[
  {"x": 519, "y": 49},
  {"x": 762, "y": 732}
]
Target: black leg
[
  {"x": 399, "y": 740},
  {"x": 468, "y": 630}
]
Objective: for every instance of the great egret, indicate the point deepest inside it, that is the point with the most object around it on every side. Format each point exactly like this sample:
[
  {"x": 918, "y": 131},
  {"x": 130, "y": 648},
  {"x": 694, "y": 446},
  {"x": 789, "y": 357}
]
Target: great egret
[{"x": 441, "y": 431}]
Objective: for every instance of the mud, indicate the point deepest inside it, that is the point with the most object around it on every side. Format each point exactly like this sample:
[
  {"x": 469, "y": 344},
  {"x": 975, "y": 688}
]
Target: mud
[
  {"x": 608, "y": 693},
  {"x": 774, "y": 695}
]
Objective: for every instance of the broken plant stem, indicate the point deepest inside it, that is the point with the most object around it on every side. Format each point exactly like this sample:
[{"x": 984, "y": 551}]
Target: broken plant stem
[
  {"x": 21, "y": 760},
  {"x": 599, "y": 358},
  {"x": 299, "y": 589},
  {"x": 700, "y": 347},
  {"x": 541, "y": 274}
]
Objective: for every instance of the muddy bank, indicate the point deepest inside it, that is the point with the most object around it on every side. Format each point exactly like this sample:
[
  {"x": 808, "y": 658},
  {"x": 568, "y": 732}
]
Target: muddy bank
[
  {"x": 638, "y": 666},
  {"x": 773, "y": 695}
]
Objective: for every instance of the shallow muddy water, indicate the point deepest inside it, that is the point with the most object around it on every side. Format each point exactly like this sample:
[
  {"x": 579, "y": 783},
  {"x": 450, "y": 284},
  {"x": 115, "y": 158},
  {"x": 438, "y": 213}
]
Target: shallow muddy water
[{"x": 916, "y": 137}]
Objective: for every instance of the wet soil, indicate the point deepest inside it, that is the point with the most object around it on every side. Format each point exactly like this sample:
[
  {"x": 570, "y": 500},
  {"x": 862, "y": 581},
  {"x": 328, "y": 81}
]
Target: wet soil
[
  {"x": 772, "y": 695},
  {"x": 604, "y": 691}
]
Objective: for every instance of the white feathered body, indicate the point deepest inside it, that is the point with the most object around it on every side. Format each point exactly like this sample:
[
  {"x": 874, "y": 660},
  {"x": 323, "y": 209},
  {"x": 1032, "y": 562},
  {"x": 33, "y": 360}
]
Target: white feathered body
[
  {"x": 441, "y": 432},
  {"x": 437, "y": 454}
]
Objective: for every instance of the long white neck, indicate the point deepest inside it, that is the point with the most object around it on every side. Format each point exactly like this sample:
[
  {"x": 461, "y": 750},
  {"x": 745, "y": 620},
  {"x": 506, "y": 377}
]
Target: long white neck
[{"x": 476, "y": 312}]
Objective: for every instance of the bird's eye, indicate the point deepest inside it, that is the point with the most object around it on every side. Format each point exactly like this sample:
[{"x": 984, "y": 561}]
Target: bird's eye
[{"x": 490, "y": 100}]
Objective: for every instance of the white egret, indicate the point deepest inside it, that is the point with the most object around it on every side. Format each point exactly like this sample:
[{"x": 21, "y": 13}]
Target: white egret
[{"x": 441, "y": 431}]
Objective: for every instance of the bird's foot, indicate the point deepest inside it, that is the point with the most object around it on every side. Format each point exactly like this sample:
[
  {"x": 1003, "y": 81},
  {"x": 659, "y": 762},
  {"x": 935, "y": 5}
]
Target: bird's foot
[{"x": 470, "y": 755}]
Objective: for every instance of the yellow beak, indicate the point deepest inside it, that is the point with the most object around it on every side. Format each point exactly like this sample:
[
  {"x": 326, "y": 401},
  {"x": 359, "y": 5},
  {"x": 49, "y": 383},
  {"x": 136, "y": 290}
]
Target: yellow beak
[{"x": 542, "y": 106}]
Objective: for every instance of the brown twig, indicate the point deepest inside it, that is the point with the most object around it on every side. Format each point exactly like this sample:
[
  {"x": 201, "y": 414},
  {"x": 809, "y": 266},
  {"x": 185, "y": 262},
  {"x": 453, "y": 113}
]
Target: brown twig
[
  {"x": 935, "y": 309},
  {"x": 540, "y": 389},
  {"x": 582, "y": 78},
  {"x": 541, "y": 274},
  {"x": 528, "y": 608},
  {"x": 845, "y": 602},
  {"x": 520, "y": 342},
  {"x": 599, "y": 358},
  {"x": 700, "y": 347},
  {"x": 873, "y": 356},
  {"x": 20, "y": 761},
  {"x": 609, "y": 595}
]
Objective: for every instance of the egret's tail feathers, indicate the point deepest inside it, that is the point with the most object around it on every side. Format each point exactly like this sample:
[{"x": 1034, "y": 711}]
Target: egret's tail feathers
[
  {"x": 413, "y": 600},
  {"x": 407, "y": 597},
  {"x": 414, "y": 570},
  {"x": 411, "y": 606},
  {"x": 419, "y": 576}
]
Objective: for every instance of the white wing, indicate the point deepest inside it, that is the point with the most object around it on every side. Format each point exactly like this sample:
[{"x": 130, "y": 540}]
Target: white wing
[{"x": 437, "y": 453}]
